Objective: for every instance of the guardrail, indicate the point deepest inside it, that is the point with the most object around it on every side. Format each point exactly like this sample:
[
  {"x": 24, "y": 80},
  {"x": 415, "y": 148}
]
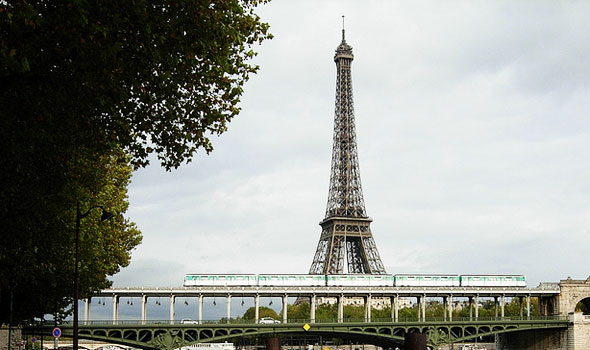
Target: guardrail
[{"x": 303, "y": 321}]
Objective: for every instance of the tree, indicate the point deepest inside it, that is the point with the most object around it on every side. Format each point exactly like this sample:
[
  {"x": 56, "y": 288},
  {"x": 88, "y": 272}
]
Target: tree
[
  {"x": 36, "y": 256},
  {"x": 150, "y": 76},
  {"x": 82, "y": 84},
  {"x": 263, "y": 312},
  {"x": 408, "y": 313},
  {"x": 301, "y": 311}
]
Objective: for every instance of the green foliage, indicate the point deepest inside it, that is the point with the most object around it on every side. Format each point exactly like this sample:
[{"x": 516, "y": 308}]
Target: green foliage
[
  {"x": 151, "y": 76},
  {"x": 83, "y": 84},
  {"x": 263, "y": 312},
  {"x": 408, "y": 313},
  {"x": 326, "y": 312},
  {"x": 300, "y": 311},
  {"x": 384, "y": 313},
  {"x": 37, "y": 249}
]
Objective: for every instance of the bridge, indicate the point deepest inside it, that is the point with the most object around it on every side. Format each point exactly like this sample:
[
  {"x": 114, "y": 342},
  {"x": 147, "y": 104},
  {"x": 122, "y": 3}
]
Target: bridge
[
  {"x": 546, "y": 293},
  {"x": 557, "y": 326},
  {"x": 386, "y": 333}
]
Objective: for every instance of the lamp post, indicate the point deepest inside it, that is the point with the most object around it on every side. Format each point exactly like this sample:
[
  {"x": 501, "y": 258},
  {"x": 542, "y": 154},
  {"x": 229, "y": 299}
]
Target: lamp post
[{"x": 79, "y": 216}]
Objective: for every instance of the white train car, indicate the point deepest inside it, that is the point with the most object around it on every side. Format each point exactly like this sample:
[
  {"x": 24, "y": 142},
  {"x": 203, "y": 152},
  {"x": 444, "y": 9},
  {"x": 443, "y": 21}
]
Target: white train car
[
  {"x": 410, "y": 280},
  {"x": 292, "y": 280},
  {"x": 493, "y": 281},
  {"x": 201, "y": 280},
  {"x": 359, "y": 280}
]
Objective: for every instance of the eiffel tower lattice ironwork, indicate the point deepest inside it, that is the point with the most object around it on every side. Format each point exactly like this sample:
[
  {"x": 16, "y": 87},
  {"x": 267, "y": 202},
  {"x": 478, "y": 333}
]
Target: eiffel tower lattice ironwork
[{"x": 346, "y": 243}]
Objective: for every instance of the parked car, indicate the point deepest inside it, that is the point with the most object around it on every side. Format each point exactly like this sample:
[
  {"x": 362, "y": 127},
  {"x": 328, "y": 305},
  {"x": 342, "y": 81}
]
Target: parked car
[
  {"x": 268, "y": 320},
  {"x": 188, "y": 321}
]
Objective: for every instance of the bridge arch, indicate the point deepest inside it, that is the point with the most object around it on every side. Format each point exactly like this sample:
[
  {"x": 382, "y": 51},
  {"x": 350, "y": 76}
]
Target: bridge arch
[
  {"x": 575, "y": 294},
  {"x": 583, "y": 306}
]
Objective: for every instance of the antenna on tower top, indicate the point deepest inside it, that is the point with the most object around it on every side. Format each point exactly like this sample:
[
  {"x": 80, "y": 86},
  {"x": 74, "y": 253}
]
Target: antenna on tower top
[{"x": 342, "y": 27}]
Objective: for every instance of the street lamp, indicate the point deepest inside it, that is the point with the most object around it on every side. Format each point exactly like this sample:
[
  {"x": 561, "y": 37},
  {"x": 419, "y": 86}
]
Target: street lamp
[{"x": 79, "y": 216}]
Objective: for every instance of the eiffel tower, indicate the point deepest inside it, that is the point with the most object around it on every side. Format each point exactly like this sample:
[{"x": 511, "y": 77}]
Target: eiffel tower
[{"x": 346, "y": 243}]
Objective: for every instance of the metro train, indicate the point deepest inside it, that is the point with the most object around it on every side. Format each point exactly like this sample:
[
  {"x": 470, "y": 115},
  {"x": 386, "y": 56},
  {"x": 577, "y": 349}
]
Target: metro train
[{"x": 398, "y": 280}]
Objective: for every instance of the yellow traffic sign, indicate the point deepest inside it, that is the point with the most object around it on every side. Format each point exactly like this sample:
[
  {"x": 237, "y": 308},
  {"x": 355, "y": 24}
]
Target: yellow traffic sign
[{"x": 306, "y": 327}]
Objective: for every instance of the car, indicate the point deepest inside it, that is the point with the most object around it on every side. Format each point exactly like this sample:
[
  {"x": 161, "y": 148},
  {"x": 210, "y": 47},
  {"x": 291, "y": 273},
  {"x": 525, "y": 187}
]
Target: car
[
  {"x": 268, "y": 320},
  {"x": 188, "y": 321}
]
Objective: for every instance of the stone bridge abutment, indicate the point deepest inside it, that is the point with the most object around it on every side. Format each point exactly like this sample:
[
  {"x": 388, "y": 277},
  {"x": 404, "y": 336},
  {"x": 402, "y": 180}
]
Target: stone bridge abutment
[{"x": 573, "y": 302}]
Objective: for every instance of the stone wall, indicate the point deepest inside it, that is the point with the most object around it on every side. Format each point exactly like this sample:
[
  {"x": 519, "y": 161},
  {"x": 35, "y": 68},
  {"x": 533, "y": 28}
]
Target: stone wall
[
  {"x": 579, "y": 332},
  {"x": 16, "y": 338}
]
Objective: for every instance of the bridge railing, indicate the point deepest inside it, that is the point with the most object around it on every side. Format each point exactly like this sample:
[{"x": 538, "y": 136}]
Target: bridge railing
[{"x": 303, "y": 321}]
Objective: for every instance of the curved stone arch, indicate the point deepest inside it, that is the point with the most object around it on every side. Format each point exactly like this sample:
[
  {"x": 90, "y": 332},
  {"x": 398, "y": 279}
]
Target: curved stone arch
[
  {"x": 585, "y": 305},
  {"x": 571, "y": 293}
]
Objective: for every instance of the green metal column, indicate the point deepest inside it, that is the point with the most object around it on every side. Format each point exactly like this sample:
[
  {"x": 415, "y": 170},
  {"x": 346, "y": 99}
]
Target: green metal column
[{"x": 520, "y": 306}]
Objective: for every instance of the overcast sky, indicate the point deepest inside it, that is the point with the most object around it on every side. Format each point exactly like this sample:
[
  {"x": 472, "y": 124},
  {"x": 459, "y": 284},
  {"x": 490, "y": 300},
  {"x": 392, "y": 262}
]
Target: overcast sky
[{"x": 473, "y": 138}]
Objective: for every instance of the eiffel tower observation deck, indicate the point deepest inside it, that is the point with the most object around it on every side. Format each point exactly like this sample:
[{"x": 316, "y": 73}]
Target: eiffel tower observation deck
[{"x": 346, "y": 243}]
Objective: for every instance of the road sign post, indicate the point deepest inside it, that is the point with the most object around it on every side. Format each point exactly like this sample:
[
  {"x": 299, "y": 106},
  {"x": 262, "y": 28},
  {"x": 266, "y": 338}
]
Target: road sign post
[{"x": 56, "y": 334}]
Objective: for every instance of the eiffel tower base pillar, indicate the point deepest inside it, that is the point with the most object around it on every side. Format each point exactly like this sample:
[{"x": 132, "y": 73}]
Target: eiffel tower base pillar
[
  {"x": 273, "y": 343},
  {"x": 415, "y": 341}
]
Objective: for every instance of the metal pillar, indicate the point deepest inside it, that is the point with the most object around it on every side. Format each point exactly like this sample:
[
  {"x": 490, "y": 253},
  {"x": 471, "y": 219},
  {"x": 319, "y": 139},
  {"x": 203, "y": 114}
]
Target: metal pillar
[
  {"x": 424, "y": 308},
  {"x": 520, "y": 307},
  {"x": 502, "y": 305},
  {"x": 172, "y": 299},
  {"x": 445, "y": 308},
  {"x": 340, "y": 300},
  {"x": 256, "y": 308},
  {"x": 419, "y": 308},
  {"x": 143, "y": 308},
  {"x": 115, "y": 309},
  {"x": 312, "y": 309},
  {"x": 394, "y": 301},
  {"x": 476, "y": 307},
  {"x": 496, "y": 306},
  {"x": 200, "y": 308},
  {"x": 396, "y": 308},
  {"x": 87, "y": 310},
  {"x": 228, "y": 306},
  {"x": 285, "y": 301},
  {"x": 367, "y": 305},
  {"x": 528, "y": 307},
  {"x": 470, "y": 308},
  {"x": 450, "y": 299}
]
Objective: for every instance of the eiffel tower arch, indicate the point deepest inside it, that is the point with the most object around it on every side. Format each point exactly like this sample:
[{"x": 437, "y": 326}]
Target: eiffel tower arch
[{"x": 346, "y": 243}]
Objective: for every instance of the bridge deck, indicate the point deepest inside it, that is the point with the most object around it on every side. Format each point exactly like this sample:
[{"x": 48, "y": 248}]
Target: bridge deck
[{"x": 328, "y": 291}]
